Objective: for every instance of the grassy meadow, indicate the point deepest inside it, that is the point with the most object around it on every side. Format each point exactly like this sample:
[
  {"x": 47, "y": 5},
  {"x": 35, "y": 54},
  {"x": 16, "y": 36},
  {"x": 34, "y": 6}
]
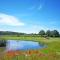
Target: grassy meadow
[{"x": 51, "y": 52}]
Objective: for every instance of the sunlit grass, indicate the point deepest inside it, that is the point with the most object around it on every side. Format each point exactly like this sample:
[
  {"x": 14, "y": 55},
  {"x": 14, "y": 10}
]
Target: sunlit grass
[{"x": 51, "y": 52}]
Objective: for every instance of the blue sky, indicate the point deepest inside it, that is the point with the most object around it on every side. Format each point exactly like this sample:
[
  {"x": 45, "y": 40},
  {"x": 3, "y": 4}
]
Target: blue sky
[{"x": 29, "y": 16}]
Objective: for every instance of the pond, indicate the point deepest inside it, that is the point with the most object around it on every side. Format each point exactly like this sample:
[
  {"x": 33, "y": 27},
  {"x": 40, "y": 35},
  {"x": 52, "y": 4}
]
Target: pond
[{"x": 23, "y": 45}]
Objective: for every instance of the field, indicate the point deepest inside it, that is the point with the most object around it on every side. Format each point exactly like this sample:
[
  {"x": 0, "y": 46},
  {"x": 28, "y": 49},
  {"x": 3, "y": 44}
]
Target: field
[{"x": 51, "y": 52}]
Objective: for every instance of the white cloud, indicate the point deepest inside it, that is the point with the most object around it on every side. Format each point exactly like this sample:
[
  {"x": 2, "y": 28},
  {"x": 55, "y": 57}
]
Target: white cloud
[
  {"x": 10, "y": 20},
  {"x": 36, "y": 7},
  {"x": 40, "y": 7},
  {"x": 34, "y": 29},
  {"x": 2, "y": 29}
]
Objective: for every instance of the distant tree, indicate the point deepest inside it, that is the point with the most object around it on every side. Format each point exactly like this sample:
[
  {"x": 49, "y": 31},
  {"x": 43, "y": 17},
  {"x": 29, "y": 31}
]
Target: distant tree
[
  {"x": 11, "y": 33},
  {"x": 54, "y": 33},
  {"x": 42, "y": 33},
  {"x": 48, "y": 33}
]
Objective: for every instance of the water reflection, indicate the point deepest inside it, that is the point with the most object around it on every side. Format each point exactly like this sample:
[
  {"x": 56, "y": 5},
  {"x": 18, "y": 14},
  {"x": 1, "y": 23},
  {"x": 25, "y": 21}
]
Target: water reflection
[{"x": 22, "y": 45}]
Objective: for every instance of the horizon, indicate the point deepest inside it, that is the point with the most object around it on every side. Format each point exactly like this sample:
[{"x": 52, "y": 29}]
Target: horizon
[
  {"x": 29, "y": 16},
  {"x": 30, "y": 33}
]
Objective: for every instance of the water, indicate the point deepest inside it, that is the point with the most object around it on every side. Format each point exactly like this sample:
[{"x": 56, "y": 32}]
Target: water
[{"x": 23, "y": 45}]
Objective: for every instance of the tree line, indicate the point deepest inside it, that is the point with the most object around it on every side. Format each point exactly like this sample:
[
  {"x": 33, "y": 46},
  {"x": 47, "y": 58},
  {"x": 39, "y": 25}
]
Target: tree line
[
  {"x": 42, "y": 33},
  {"x": 10, "y": 33},
  {"x": 48, "y": 33}
]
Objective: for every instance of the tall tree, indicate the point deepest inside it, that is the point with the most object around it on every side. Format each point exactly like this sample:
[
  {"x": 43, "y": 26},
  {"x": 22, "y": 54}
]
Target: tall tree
[
  {"x": 42, "y": 33},
  {"x": 48, "y": 33},
  {"x": 55, "y": 33}
]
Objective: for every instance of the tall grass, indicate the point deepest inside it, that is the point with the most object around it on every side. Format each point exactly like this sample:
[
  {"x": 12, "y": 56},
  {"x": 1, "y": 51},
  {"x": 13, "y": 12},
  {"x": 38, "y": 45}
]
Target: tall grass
[{"x": 50, "y": 53}]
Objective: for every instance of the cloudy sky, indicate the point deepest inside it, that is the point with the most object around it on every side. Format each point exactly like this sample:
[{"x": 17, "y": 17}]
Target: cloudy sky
[{"x": 29, "y": 15}]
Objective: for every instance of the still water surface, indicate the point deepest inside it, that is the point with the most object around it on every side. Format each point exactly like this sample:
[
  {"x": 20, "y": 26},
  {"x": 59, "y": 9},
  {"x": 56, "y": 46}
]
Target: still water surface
[{"x": 23, "y": 45}]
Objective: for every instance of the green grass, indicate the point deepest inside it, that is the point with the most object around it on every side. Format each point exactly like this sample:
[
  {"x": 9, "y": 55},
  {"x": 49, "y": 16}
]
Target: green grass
[{"x": 52, "y": 51}]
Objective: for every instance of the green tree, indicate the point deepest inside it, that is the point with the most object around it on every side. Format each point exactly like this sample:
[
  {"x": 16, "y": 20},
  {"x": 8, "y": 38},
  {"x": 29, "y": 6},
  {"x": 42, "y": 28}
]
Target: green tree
[
  {"x": 42, "y": 33},
  {"x": 2, "y": 43},
  {"x": 54, "y": 33},
  {"x": 48, "y": 33}
]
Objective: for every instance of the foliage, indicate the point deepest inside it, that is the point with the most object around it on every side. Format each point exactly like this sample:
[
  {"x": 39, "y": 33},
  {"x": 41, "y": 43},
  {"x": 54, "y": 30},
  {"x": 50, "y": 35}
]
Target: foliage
[
  {"x": 42, "y": 32},
  {"x": 2, "y": 43},
  {"x": 54, "y": 33},
  {"x": 10, "y": 33},
  {"x": 49, "y": 33},
  {"x": 49, "y": 53}
]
